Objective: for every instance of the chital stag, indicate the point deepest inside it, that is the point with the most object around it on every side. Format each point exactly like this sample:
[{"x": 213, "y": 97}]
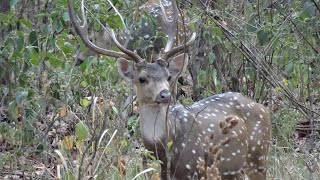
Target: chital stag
[
  {"x": 147, "y": 30},
  {"x": 187, "y": 128}
]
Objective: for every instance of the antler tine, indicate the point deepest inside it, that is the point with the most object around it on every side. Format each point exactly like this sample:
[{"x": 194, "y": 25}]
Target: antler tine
[
  {"x": 82, "y": 31},
  {"x": 171, "y": 24},
  {"x": 179, "y": 48},
  {"x": 133, "y": 55}
]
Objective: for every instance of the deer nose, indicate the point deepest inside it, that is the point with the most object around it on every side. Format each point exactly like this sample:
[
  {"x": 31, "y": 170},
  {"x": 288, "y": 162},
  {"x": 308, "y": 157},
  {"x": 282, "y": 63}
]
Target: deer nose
[{"x": 163, "y": 96}]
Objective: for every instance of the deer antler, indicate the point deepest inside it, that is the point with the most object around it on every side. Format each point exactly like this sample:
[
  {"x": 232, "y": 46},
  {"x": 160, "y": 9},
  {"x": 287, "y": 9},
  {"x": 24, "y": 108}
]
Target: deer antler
[
  {"x": 82, "y": 31},
  {"x": 172, "y": 26},
  {"x": 179, "y": 48}
]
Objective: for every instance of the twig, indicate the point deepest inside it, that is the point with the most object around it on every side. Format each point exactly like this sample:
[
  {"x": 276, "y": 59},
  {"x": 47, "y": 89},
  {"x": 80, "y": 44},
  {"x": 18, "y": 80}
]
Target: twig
[
  {"x": 266, "y": 71},
  {"x": 317, "y": 6}
]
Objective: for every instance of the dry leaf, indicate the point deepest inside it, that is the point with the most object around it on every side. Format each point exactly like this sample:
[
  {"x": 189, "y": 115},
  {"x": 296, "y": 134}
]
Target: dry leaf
[
  {"x": 67, "y": 143},
  {"x": 63, "y": 111}
]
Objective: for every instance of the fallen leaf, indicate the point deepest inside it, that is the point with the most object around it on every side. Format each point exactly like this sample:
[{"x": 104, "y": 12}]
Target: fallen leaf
[{"x": 67, "y": 143}]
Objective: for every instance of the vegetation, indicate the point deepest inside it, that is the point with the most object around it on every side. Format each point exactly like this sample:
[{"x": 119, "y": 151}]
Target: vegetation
[{"x": 58, "y": 120}]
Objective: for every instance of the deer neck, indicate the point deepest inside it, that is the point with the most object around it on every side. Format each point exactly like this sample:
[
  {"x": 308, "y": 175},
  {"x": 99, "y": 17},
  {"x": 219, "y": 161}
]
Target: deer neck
[{"x": 153, "y": 123}]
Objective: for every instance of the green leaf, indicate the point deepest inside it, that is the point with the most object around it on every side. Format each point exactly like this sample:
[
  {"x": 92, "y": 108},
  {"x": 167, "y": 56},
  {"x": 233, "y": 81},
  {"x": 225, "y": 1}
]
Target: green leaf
[
  {"x": 289, "y": 68},
  {"x": 170, "y": 143},
  {"x": 13, "y": 110},
  {"x": 114, "y": 21},
  {"x": 40, "y": 15},
  {"x": 20, "y": 96},
  {"x": 23, "y": 80},
  {"x": 218, "y": 87},
  {"x": 34, "y": 59},
  {"x": 124, "y": 143},
  {"x": 304, "y": 15},
  {"x": 81, "y": 131},
  {"x": 206, "y": 35},
  {"x": 13, "y": 2},
  {"x": 85, "y": 102},
  {"x": 31, "y": 94},
  {"x": 150, "y": 155},
  {"x": 39, "y": 149},
  {"x": 19, "y": 43},
  {"x": 66, "y": 17},
  {"x": 68, "y": 176},
  {"x": 57, "y": 25},
  {"x": 132, "y": 124},
  {"x": 33, "y": 40},
  {"x": 87, "y": 64},
  {"x": 115, "y": 110},
  {"x": 108, "y": 150},
  {"x": 84, "y": 84},
  {"x": 45, "y": 29},
  {"x": 54, "y": 61},
  {"x": 251, "y": 26},
  {"x": 67, "y": 47},
  {"x": 212, "y": 57},
  {"x": 26, "y": 22},
  {"x": 262, "y": 37},
  {"x": 217, "y": 33},
  {"x": 5, "y": 90},
  {"x": 309, "y": 9},
  {"x": 279, "y": 89},
  {"x": 9, "y": 44}
]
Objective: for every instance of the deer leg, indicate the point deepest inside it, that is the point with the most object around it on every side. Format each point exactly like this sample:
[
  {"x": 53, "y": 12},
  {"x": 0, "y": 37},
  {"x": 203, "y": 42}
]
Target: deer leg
[
  {"x": 257, "y": 171},
  {"x": 257, "y": 175},
  {"x": 164, "y": 170},
  {"x": 145, "y": 166},
  {"x": 239, "y": 176},
  {"x": 257, "y": 168}
]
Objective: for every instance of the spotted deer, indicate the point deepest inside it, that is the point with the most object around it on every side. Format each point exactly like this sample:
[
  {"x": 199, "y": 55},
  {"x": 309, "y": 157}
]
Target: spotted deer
[
  {"x": 181, "y": 133},
  {"x": 147, "y": 30}
]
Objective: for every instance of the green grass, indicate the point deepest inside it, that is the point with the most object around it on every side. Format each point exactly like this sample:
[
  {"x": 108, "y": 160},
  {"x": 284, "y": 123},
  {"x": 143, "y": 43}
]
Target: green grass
[{"x": 286, "y": 164}]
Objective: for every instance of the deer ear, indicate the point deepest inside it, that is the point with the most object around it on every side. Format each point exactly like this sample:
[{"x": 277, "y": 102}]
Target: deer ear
[
  {"x": 125, "y": 69},
  {"x": 177, "y": 64}
]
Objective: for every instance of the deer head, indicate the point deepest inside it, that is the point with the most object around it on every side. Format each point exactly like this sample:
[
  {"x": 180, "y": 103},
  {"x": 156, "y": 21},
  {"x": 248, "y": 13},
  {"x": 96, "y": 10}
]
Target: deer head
[
  {"x": 153, "y": 81},
  {"x": 135, "y": 69}
]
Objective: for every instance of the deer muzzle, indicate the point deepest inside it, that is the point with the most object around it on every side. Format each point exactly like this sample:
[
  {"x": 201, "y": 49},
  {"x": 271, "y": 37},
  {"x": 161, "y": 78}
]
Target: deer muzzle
[{"x": 163, "y": 97}]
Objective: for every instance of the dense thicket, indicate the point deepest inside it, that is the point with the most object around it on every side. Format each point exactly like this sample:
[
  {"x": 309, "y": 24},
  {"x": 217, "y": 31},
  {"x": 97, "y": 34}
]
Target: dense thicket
[{"x": 56, "y": 119}]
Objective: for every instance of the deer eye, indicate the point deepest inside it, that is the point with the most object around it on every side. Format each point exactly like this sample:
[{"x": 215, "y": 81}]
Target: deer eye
[
  {"x": 169, "y": 78},
  {"x": 142, "y": 80}
]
